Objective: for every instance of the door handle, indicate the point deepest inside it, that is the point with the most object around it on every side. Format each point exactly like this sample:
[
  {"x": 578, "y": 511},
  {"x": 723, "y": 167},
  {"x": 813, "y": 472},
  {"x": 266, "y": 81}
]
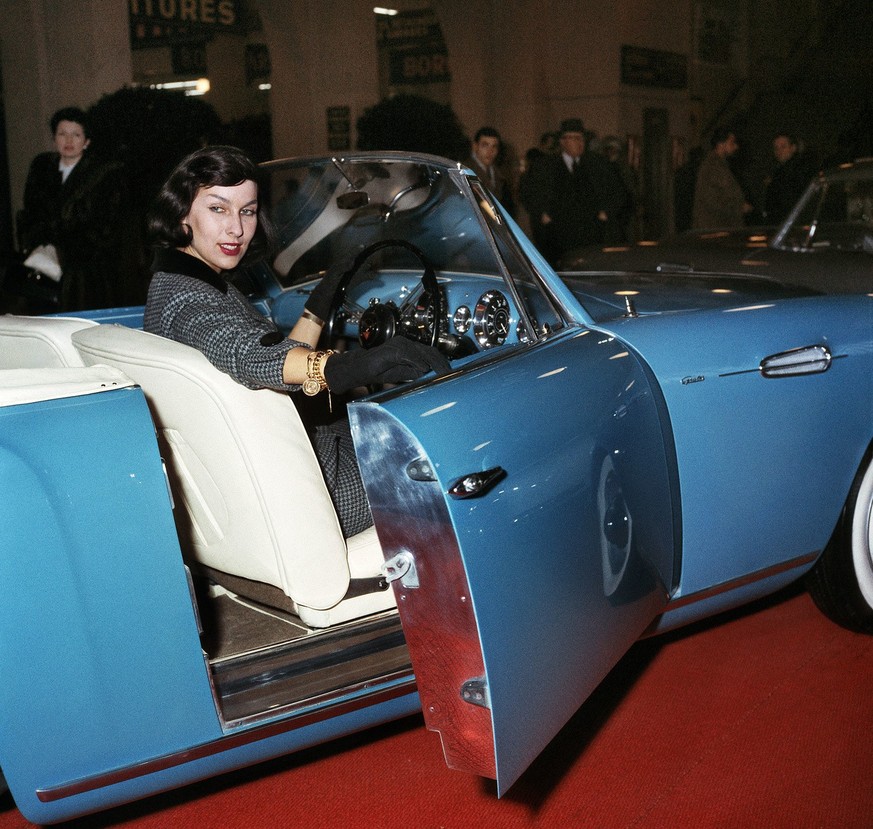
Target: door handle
[{"x": 476, "y": 483}]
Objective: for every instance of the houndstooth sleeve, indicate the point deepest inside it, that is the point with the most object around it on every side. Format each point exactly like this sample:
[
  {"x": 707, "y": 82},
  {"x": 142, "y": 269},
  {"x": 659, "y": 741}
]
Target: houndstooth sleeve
[{"x": 234, "y": 337}]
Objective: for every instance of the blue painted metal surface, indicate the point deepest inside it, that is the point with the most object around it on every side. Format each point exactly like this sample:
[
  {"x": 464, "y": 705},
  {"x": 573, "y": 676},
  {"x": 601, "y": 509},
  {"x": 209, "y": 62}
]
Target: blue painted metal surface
[
  {"x": 765, "y": 464},
  {"x": 554, "y": 613},
  {"x": 130, "y": 316},
  {"x": 100, "y": 626}
]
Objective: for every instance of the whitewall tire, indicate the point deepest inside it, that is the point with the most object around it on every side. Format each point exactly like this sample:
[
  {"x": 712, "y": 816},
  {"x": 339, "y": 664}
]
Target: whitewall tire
[{"x": 841, "y": 583}]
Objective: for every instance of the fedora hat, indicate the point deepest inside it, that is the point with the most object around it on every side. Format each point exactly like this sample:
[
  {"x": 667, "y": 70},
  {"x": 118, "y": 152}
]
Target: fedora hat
[{"x": 571, "y": 125}]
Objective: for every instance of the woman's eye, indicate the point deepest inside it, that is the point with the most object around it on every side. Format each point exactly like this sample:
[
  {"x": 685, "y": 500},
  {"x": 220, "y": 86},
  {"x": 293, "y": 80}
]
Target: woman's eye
[{"x": 249, "y": 211}]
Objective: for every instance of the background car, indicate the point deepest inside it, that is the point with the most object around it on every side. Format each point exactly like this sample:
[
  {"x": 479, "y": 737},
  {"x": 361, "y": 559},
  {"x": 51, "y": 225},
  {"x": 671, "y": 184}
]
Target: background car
[
  {"x": 826, "y": 242},
  {"x": 608, "y": 458}
]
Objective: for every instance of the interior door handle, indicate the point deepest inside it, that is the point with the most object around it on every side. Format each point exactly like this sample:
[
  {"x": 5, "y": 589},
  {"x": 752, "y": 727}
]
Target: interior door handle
[{"x": 476, "y": 483}]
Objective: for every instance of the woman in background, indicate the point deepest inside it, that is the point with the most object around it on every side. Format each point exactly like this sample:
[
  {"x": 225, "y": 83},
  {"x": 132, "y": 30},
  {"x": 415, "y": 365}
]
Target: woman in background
[{"x": 74, "y": 201}]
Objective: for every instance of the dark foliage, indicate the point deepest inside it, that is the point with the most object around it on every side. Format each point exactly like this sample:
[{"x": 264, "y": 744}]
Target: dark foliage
[
  {"x": 252, "y": 133},
  {"x": 149, "y": 131},
  {"x": 413, "y": 124}
]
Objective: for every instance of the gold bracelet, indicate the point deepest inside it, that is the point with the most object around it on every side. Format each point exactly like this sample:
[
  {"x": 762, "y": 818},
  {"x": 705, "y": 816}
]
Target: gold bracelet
[
  {"x": 315, "y": 382},
  {"x": 308, "y": 315},
  {"x": 311, "y": 385},
  {"x": 319, "y": 362}
]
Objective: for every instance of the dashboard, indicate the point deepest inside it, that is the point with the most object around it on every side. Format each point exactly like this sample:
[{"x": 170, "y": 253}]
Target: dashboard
[{"x": 472, "y": 313}]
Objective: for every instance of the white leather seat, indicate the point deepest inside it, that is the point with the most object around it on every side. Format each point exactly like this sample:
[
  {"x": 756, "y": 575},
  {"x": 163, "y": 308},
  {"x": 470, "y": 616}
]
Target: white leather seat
[
  {"x": 250, "y": 497},
  {"x": 39, "y": 342}
]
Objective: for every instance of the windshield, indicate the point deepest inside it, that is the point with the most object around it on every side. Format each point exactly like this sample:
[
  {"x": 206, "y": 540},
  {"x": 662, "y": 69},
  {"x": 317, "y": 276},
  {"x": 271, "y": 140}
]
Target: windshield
[
  {"x": 328, "y": 210},
  {"x": 834, "y": 214}
]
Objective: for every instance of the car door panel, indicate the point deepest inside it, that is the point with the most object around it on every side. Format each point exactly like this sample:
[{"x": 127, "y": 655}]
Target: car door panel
[{"x": 551, "y": 573}]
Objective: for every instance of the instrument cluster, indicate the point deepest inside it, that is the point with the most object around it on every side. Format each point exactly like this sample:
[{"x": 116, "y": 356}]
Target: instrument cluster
[
  {"x": 490, "y": 319},
  {"x": 463, "y": 328}
]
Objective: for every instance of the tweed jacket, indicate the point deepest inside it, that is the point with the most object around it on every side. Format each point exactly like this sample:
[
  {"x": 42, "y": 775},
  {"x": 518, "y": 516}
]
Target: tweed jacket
[{"x": 190, "y": 303}]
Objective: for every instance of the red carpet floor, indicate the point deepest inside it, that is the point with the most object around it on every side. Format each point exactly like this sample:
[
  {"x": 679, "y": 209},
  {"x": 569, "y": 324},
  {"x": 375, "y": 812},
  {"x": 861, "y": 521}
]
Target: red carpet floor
[{"x": 761, "y": 719}]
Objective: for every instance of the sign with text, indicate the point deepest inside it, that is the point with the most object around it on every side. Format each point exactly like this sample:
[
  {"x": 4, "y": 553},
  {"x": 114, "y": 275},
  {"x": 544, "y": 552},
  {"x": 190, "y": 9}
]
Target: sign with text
[
  {"x": 258, "y": 65},
  {"x": 412, "y": 54},
  {"x": 339, "y": 128},
  {"x": 418, "y": 66},
  {"x": 162, "y": 22},
  {"x": 651, "y": 67},
  {"x": 188, "y": 58}
]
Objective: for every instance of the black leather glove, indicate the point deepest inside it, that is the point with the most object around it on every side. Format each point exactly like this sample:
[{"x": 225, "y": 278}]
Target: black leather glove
[
  {"x": 321, "y": 298},
  {"x": 397, "y": 361}
]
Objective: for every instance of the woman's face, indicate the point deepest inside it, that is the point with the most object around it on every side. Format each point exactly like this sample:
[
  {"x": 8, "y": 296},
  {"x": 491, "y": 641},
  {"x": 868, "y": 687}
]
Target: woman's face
[
  {"x": 70, "y": 141},
  {"x": 223, "y": 221}
]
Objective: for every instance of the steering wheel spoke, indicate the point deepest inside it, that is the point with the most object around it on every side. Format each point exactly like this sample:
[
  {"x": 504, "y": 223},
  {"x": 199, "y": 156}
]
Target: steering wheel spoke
[{"x": 417, "y": 318}]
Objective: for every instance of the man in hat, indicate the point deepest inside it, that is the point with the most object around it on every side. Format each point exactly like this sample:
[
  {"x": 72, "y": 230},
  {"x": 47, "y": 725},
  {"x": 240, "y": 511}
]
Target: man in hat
[{"x": 571, "y": 195}]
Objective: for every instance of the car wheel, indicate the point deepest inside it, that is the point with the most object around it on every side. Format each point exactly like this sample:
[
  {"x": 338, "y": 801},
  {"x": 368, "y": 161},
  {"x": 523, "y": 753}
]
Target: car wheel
[{"x": 841, "y": 583}]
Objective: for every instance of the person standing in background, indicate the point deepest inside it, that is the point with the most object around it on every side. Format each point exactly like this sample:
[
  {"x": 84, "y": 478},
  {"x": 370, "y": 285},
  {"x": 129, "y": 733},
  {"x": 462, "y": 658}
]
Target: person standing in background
[
  {"x": 484, "y": 162},
  {"x": 571, "y": 196},
  {"x": 621, "y": 227},
  {"x": 785, "y": 185},
  {"x": 719, "y": 200},
  {"x": 75, "y": 202}
]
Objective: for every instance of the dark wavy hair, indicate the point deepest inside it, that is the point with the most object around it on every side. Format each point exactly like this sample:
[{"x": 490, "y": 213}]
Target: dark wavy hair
[
  {"x": 217, "y": 166},
  {"x": 74, "y": 114}
]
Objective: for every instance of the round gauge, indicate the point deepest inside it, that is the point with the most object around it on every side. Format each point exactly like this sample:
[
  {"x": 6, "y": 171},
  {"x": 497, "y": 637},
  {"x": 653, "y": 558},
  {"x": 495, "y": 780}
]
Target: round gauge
[
  {"x": 462, "y": 319},
  {"x": 491, "y": 319},
  {"x": 521, "y": 331}
]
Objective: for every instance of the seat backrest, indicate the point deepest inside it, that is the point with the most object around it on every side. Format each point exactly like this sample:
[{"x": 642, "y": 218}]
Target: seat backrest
[
  {"x": 39, "y": 342},
  {"x": 255, "y": 501}
]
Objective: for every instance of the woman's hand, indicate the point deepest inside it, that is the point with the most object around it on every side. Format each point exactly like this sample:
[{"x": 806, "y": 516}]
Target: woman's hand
[
  {"x": 321, "y": 298},
  {"x": 397, "y": 361}
]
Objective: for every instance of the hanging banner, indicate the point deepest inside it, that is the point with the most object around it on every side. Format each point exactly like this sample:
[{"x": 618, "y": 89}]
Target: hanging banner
[
  {"x": 165, "y": 22},
  {"x": 413, "y": 57}
]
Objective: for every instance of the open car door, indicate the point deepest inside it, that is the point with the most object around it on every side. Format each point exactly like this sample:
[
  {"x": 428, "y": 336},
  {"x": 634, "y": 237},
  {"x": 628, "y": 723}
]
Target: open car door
[{"x": 526, "y": 508}]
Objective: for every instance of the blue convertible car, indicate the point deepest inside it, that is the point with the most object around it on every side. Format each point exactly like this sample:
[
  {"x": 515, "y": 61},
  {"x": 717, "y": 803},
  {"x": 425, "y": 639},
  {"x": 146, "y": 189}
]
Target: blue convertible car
[{"x": 607, "y": 459}]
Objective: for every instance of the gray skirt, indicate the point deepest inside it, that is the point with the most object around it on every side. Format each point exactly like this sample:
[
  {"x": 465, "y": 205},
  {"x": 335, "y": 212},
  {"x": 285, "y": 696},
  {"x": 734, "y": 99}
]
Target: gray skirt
[{"x": 336, "y": 453}]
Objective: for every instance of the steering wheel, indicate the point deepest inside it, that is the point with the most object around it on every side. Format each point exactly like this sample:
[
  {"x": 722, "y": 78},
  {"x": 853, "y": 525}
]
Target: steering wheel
[{"x": 417, "y": 319}]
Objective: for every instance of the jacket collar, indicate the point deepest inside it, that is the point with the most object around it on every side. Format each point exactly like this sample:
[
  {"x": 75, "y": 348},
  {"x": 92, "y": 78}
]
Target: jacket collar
[{"x": 170, "y": 260}]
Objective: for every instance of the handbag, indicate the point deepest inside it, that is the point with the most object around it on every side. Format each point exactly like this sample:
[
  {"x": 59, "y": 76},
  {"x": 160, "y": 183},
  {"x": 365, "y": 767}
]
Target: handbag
[
  {"x": 44, "y": 260},
  {"x": 17, "y": 279}
]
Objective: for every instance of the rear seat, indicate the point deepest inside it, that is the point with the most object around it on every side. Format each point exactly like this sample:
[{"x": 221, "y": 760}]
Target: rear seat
[{"x": 39, "y": 342}]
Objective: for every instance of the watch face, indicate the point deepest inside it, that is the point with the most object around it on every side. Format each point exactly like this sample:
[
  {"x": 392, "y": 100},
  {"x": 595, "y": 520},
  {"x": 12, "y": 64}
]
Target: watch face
[{"x": 311, "y": 387}]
